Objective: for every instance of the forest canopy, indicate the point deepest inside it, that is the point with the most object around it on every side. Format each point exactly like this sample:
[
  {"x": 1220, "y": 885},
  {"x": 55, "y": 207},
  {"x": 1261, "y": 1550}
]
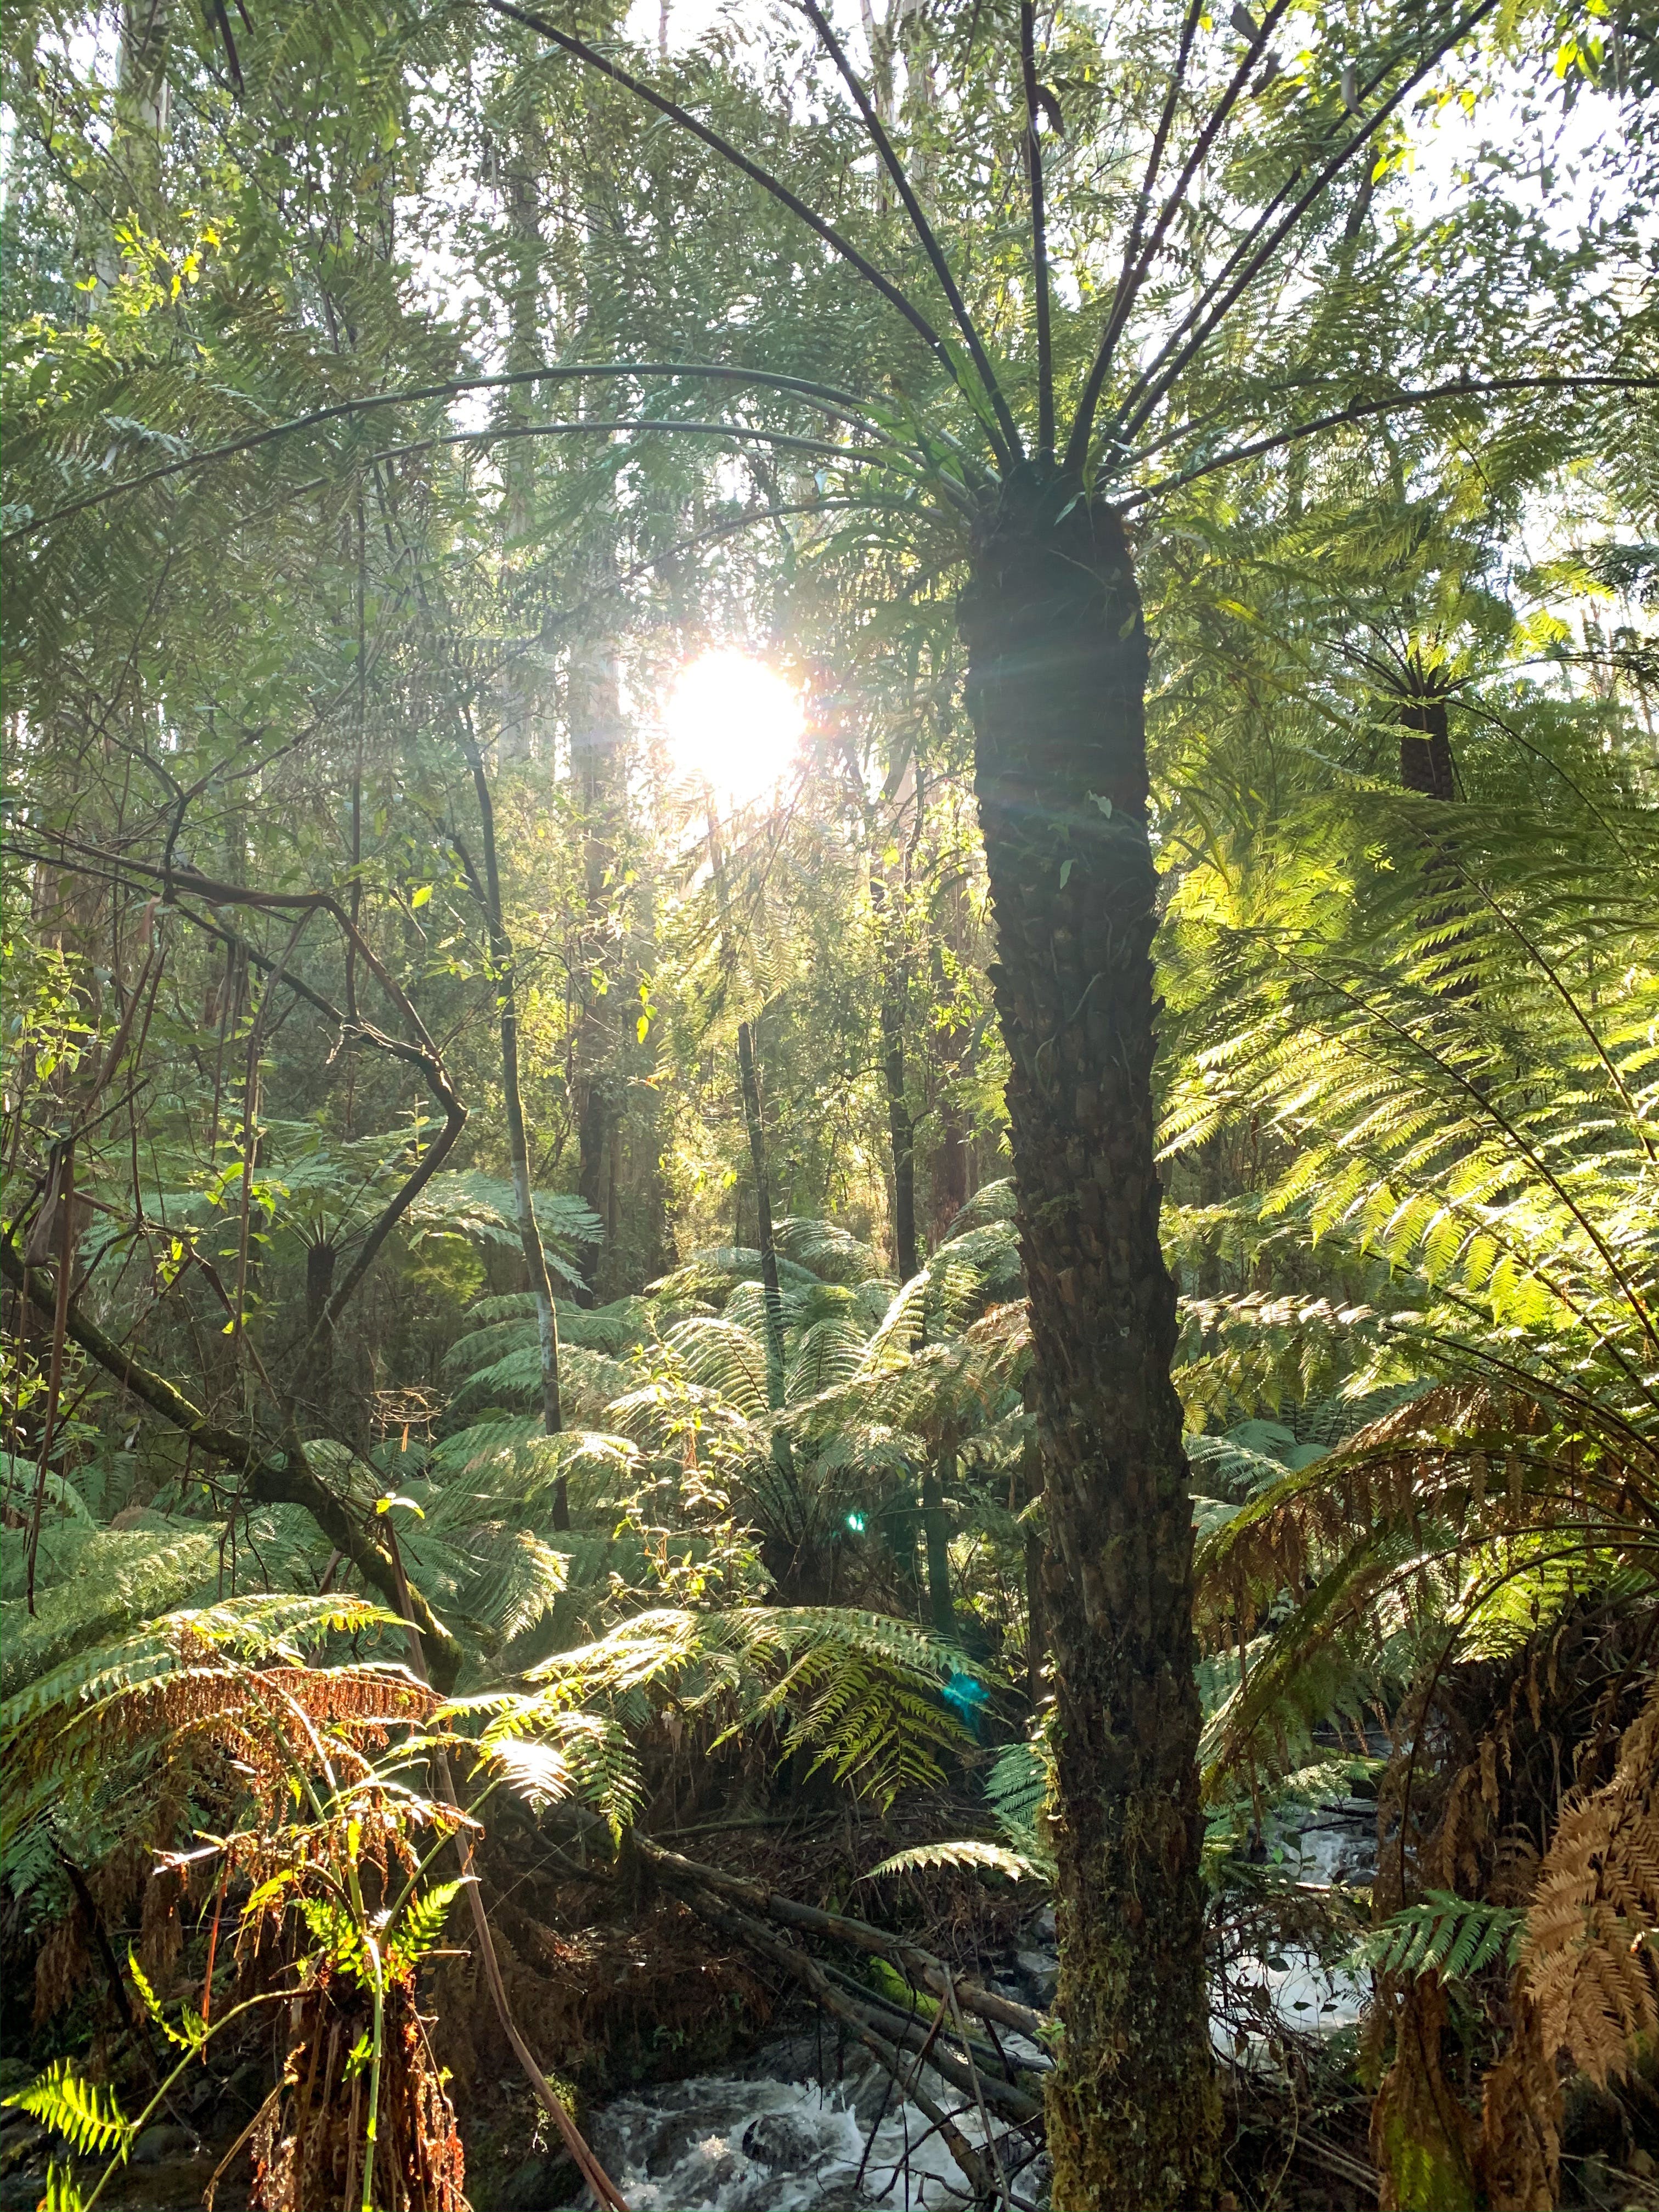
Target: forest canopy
[{"x": 831, "y": 876}]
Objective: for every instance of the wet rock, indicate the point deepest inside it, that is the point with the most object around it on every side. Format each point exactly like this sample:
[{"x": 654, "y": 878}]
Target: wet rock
[
  {"x": 1039, "y": 1970},
  {"x": 162, "y": 2141},
  {"x": 781, "y": 2142},
  {"x": 541, "y": 2183}
]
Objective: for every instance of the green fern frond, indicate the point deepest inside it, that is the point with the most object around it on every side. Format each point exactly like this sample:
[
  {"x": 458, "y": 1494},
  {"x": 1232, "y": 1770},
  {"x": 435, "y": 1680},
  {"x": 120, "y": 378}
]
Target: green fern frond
[
  {"x": 420, "y": 1928},
  {"x": 89, "y": 2118},
  {"x": 1445, "y": 1935},
  {"x": 114, "y": 1576},
  {"x": 964, "y": 1852}
]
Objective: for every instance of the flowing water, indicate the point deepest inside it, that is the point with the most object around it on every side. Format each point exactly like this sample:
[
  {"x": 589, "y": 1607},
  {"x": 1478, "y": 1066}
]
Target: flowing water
[
  {"x": 792, "y": 2132},
  {"x": 775, "y": 2139}
]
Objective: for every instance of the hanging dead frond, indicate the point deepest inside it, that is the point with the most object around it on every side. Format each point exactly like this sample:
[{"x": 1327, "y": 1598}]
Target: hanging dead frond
[{"x": 1591, "y": 1962}]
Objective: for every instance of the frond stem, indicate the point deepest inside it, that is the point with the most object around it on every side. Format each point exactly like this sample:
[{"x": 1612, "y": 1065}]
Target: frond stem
[
  {"x": 1359, "y": 410},
  {"x": 1040, "y": 229},
  {"x": 1207, "y": 313},
  {"x": 501, "y": 433},
  {"x": 844, "y": 406},
  {"x": 1008, "y": 446},
  {"x": 779, "y": 192},
  {"x": 1134, "y": 272}
]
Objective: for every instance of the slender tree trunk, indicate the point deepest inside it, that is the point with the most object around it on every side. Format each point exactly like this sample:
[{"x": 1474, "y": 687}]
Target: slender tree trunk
[
  {"x": 530, "y": 1235},
  {"x": 953, "y": 1050},
  {"x": 769, "y": 1250},
  {"x": 63, "y": 1210},
  {"x": 1057, "y": 670},
  {"x": 889, "y": 902},
  {"x": 1037, "y": 1612},
  {"x": 143, "y": 107},
  {"x": 318, "y": 1382},
  {"x": 937, "y": 1533},
  {"x": 595, "y": 739},
  {"x": 901, "y": 1128},
  {"x": 524, "y": 678}
]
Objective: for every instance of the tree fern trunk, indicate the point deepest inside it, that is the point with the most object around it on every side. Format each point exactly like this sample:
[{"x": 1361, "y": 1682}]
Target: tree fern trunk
[
  {"x": 1425, "y": 763},
  {"x": 1057, "y": 669}
]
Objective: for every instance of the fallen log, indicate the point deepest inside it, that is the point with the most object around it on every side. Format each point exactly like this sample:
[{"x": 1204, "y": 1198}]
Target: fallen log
[{"x": 1013, "y": 2104}]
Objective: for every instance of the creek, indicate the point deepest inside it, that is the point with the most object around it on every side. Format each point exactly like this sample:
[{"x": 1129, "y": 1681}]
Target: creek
[{"x": 807, "y": 2126}]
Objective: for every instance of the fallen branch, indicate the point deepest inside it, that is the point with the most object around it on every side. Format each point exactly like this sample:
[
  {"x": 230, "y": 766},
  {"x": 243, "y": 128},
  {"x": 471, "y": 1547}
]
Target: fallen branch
[
  {"x": 887, "y": 2054},
  {"x": 1015, "y": 2105},
  {"x": 924, "y": 1966}
]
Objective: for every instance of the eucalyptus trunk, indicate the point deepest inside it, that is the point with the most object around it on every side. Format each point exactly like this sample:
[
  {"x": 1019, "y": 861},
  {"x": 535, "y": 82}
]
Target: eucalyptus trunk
[
  {"x": 771, "y": 1290},
  {"x": 1057, "y": 671}
]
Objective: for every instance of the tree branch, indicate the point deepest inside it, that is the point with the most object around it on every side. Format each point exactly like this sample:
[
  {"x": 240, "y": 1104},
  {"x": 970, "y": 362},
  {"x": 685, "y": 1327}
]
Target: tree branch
[{"x": 265, "y": 1477}]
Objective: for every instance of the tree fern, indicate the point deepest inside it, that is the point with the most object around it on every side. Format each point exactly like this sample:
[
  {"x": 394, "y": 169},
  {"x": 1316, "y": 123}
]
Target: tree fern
[{"x": 860, "y": 1691}]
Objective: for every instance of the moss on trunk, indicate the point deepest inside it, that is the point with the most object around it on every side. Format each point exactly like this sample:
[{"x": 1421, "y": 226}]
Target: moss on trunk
[{"x": 1057, "y": 671}]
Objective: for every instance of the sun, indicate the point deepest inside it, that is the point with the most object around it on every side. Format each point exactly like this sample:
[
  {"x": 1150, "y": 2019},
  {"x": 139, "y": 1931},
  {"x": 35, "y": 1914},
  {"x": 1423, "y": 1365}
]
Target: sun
[{"x": 732, "y": 724}]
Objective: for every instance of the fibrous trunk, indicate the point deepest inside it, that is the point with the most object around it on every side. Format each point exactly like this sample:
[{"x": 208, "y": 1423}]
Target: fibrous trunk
[
  {"x": 1057, "y": 669},
  {"x": 1425, "y": 763},
  {"x": 309, "y": 2141}
]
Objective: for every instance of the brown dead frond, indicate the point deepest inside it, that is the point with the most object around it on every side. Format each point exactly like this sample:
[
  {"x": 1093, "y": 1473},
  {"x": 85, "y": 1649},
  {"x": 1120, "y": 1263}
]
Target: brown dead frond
[
  {"x": 1591, "y": 1960},
  {"x": 310, "y": 2142}
]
